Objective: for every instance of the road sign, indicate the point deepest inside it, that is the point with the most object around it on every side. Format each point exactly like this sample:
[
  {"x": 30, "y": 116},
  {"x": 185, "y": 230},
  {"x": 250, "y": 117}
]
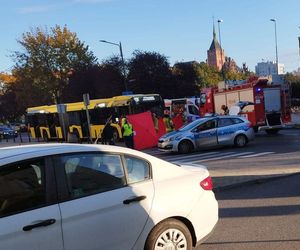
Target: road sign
[{"x": 86, "y": 99}]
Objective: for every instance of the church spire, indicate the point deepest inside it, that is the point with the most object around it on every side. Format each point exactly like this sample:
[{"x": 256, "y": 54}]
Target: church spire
[
  {"x": 214, "y": 30},
  {"x": 215, "y": 44}
]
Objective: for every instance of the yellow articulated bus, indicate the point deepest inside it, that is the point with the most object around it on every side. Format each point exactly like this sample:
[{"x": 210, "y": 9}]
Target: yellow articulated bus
[{"x": 47, "y": 123}]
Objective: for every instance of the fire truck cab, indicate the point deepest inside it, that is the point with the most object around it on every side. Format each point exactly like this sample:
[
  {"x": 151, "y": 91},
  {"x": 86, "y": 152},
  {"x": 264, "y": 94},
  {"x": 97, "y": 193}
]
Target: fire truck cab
[{"x": 266, "y": 105}]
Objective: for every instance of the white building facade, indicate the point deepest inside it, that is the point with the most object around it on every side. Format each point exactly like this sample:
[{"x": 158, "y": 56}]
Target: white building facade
[{"x": 269, "y": 68}]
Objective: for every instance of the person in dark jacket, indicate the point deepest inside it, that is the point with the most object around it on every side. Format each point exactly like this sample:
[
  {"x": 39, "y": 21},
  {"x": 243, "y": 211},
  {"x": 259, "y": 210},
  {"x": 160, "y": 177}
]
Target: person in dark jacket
[{"x": 107, "y": 135}]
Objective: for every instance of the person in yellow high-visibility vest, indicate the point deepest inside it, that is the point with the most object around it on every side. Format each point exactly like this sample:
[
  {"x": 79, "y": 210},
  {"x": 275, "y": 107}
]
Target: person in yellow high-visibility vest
[
  {"x": 127, "y": 130},
  {"x": 168, "y": 123}
]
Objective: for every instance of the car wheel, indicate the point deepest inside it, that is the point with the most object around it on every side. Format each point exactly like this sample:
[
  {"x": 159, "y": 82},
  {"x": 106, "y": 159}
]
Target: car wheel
[
  {"x": 185, "y": 147},
  {"x": 169, "y": 234},
  {"x": 240, "y": 141}
]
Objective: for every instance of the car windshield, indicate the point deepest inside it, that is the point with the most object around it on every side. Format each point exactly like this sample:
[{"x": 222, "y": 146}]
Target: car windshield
[{"x": 193, "y": 124}]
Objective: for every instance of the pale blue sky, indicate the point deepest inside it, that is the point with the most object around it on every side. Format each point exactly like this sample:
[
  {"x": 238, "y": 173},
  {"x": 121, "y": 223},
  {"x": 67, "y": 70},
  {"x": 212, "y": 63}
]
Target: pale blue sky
[{"x": 178, "y": 29}]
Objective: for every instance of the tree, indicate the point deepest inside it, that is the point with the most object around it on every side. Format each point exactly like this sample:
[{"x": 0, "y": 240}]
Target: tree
[
  {"x": 100, "y": 81},
  {"x": 185, "y": 77},
  {"x": 293, "y": 79},
  {"x": 207, "y": 75},
  {"x": 149, "y": 72},
  {"x": 50, "y": 58}
]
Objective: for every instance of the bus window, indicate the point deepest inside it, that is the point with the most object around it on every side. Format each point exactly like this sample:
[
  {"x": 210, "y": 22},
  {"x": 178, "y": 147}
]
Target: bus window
[{"x": 99, "y": 110}]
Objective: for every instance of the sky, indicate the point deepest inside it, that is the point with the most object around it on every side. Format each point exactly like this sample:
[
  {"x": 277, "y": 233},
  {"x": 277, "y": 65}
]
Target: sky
[{"x": 181, "y": 30}]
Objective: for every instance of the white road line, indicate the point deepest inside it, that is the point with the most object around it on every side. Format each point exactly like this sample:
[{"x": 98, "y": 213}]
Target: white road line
[
  {"x": 207, "y": 157},
  {"x": 258, "y": 154},
  {"x": 196, "y": 156},
  {"x": 222, "y": 157}
]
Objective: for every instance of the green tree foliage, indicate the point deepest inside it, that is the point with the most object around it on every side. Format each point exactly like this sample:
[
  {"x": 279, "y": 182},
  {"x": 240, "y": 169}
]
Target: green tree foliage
[
  {"x": 185, "y": 77},
  {"x": 232, "y": 75},
  {"x": 293, "y": 79},
  {"x": 50, "y": 57},
  {"x": 207, "y": 75},
  {"x": 100, "y": 81},
  {"x": 149, "y": 72}
]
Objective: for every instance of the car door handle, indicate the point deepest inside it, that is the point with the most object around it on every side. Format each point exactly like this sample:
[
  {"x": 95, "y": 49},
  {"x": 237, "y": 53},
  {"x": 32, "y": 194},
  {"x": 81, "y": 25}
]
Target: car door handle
[
  {"x": 43, "y": 223},
  {"x": 134, "y": 199}
]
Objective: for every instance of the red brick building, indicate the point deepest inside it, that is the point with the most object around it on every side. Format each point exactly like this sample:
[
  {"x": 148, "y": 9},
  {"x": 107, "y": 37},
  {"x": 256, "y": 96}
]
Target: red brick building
[{"x": 215, "y": 54}]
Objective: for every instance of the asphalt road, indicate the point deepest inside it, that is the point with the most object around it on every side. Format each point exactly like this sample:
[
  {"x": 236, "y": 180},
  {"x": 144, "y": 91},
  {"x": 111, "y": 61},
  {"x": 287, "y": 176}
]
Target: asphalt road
[
  {"x": 258, "y": 216},
  {"x": 267, "y": 155}
]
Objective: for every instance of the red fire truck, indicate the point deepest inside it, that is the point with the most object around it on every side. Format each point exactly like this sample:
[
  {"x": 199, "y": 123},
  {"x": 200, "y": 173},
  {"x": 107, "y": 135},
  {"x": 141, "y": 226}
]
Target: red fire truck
[{"x": 266, "y": 105}]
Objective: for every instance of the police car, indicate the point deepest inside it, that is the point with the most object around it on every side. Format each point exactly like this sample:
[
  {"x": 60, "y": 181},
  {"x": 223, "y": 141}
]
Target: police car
[{"x": 208, "y": 132}]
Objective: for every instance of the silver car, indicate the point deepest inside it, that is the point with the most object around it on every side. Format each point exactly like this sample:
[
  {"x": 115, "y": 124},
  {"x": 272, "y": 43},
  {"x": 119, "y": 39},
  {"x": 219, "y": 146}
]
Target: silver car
[{"x": 208, "y": 132}]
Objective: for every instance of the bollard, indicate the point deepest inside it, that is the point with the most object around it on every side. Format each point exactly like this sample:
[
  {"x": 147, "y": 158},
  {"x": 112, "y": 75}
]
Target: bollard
[{"x": 21, "y": 139}]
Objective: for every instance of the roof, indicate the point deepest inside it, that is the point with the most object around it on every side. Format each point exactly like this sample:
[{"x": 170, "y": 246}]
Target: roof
[
  {"x": 16, "y": 153},
  {"x": 215, "y": 44},
  {"x": 122, "y": 100}
]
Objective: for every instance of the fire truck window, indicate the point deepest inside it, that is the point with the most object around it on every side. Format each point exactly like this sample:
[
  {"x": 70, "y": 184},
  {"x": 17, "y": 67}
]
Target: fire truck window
[
  {"x": 203, "y": 99},
  {"x": 193, "y": 110}
]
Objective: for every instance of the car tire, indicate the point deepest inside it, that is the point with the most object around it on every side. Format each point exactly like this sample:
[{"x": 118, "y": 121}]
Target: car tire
[
  {"x": 185, "y": 147},
  {"x": 168, "y": 233},
  {"x": 240, "y": 141}
]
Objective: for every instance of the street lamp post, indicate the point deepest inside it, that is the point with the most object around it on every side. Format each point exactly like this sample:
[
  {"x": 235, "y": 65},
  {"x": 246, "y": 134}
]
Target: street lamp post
[
  {"x": 122, "y": 58},
  {"x": 219, "y": 30},
  {"x": 274, "y": 20}
]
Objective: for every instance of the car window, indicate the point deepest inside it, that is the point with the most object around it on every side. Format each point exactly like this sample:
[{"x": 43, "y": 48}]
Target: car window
[
  {"x": 22, "y": 187},
  {"x": 210, "y": 124},
  {"x": 223, "y": 122},
  {"x": 92, "y": 173},
  {"x": 237, "y": 120},
  {"x": 138, "y": 170}
]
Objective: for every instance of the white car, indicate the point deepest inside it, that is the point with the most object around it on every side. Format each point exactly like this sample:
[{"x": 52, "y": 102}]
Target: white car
[{"x": 72, "y": 196}]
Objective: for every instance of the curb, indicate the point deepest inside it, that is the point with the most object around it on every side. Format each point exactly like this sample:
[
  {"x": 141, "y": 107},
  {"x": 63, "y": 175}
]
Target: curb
[{"x": 251, "y": 180}]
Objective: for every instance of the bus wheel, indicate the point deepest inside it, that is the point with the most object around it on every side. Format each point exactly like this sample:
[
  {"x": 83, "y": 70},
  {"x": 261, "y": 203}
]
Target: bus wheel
[{"x": 45, "y": 136}]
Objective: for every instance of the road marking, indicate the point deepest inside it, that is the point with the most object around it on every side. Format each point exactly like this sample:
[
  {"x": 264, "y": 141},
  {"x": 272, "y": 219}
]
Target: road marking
[
  {"x": 222, "y": 157},
  {"x": 197, "y": 155},
  {"x": 204, "y": 158},
  {"x": 258, "y": 154}
]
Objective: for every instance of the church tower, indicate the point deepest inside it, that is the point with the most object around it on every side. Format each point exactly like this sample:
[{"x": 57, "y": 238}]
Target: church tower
[{"x": 215, "y": 54}]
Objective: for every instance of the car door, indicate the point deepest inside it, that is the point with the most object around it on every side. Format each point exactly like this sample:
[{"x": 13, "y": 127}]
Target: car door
[
  {"x": 29, "y": 215},
  {"x": 226, "y": 130},
  {"x": 101, "y": 209},
  {"x": 206, "y": 134}
]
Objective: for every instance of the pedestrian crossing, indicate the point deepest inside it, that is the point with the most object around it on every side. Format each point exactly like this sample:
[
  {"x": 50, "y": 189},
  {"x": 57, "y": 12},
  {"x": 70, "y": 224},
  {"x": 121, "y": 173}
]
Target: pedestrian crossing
[{"x": 200, "y": 157}]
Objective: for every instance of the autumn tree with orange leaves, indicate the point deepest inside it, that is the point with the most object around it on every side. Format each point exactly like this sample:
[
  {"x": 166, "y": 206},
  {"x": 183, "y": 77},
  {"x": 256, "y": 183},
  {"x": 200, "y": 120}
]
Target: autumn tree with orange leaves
[{"x": 50, "y": 57}]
